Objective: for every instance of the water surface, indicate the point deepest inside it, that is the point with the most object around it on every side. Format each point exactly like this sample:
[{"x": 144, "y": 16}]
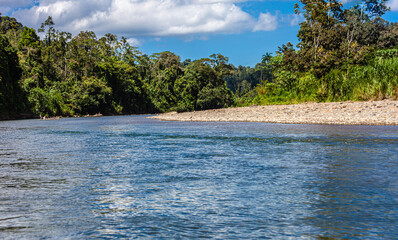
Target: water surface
[{"x": 132, "y": 177}]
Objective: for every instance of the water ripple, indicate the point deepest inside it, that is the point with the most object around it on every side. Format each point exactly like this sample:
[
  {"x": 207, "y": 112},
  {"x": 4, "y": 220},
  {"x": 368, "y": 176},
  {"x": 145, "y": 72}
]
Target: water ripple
[{"x": 131, "y": 177}]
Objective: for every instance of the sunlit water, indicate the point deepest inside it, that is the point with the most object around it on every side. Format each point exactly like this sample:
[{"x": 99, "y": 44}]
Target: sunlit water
[{"x": 132, "y": 177}]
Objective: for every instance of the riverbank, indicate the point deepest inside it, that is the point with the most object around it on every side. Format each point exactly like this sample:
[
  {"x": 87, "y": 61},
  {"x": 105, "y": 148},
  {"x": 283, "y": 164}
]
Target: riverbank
[
  {"x": 346, "y": 113},
  {"x": 31, "y": 116}
]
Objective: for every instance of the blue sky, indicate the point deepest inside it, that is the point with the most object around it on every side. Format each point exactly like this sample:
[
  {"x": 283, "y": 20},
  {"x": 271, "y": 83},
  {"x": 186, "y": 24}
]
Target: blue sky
[{"x": 241, "y": 30}]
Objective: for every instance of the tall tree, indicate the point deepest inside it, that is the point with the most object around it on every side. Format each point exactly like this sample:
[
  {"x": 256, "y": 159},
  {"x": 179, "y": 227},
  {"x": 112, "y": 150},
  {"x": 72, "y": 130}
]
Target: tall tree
[{"x": 49, "y": 25}]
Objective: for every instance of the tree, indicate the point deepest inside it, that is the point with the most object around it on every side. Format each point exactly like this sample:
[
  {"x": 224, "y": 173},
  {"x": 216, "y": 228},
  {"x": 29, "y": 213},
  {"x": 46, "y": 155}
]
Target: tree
[
  {"x": 49, "y": 23},
  {"x": 221, "y": 66},
  {"x": 244, "y": 79},
  {"x": 91, "y": 96},
  {"x": 203, "y": 86},
  {"x": 29, "y": 39},
  {"x": 365, "y": 27},
  {"x": 265, "y": 67},
  {"x": 320, "y": 19},
  {"x": 213, "y": 98},
  {"x": 85, "y": 53},
  {"x": 166, "y": 70},
  {"x": 376, "y": 8}
]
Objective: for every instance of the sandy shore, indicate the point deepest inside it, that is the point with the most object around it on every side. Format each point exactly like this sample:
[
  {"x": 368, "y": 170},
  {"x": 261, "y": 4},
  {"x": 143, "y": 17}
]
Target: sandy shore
[{"x": 347, "y": 113}]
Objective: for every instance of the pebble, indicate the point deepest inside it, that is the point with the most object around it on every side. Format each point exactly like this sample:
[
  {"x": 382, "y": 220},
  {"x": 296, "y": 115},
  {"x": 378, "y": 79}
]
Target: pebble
[{"x": 343, "y": 113}]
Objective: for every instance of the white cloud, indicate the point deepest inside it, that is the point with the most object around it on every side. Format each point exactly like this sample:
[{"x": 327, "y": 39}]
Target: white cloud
[
  {"x": 266, "y": 22},
  {"x": 157, "y": 18},
  {"x": 393, "y": 4},
  {"x": 295, "y": 20},
  {"x": 134, "y": 42}
]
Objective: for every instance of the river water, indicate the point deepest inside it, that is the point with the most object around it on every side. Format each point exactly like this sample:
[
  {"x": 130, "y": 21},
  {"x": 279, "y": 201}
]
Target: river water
[{"x": 132, "y": 177}]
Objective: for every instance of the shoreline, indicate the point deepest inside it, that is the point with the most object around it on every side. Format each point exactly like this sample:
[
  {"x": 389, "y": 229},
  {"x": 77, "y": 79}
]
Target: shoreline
[
  {"x": 332, "y": 113},
  {"x": 44, "y": 118}
]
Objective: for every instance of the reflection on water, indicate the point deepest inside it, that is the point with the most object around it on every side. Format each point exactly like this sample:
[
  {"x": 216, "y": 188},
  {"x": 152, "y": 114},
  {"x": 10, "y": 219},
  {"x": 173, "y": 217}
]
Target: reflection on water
[{"x": 131, "y": 177}]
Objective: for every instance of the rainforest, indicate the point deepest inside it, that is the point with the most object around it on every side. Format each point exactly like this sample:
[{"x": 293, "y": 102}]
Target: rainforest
[{"x": 342, "y": 54}]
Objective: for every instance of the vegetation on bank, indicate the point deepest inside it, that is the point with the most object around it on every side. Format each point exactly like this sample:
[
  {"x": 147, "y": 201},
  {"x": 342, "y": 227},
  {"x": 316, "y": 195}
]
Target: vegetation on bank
[{"x": 342, "y": 54}]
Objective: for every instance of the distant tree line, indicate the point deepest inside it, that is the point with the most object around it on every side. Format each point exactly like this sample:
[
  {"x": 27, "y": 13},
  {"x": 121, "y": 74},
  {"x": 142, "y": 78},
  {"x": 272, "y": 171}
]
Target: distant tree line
[{"x": 342, "y": 54}]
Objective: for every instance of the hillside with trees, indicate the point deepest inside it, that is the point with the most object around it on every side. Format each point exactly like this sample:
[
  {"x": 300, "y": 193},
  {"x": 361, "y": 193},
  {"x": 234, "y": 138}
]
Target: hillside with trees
[{"x": 342, "y": 54}]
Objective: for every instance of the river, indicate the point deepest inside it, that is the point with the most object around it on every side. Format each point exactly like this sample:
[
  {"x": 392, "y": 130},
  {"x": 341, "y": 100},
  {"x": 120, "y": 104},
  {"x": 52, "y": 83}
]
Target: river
[{"x": 133, "y": 177}]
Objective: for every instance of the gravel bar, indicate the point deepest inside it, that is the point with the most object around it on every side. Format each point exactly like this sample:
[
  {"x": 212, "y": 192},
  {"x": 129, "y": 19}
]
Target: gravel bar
[{"x": 342, "y": 113}]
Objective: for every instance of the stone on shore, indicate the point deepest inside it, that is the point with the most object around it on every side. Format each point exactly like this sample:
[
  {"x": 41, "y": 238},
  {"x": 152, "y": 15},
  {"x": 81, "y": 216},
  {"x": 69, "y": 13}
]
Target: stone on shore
[{"x": 346, "y": 113}]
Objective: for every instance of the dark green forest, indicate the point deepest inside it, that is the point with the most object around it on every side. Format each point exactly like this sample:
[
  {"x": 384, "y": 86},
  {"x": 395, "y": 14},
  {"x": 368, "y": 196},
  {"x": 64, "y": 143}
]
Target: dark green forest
[{"x": 342, "y": 54}]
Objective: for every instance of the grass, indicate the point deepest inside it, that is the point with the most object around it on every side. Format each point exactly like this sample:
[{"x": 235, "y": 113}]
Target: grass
[{"x": 375, "y": 81}]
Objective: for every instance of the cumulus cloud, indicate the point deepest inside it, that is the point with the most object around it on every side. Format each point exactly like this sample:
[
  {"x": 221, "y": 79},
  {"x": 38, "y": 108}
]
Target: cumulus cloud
[
  {"x": 134, "y": 42},
  {"x": 266, "y": 22},
  {"x": 393, "y": 4},
  {"x": 157, "y": 18}
]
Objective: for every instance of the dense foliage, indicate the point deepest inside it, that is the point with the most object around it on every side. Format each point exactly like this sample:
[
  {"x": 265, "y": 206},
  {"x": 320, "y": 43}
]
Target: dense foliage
[
  {"x": 62, "y": 75},
  {"x": 342, "y": 54}
]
